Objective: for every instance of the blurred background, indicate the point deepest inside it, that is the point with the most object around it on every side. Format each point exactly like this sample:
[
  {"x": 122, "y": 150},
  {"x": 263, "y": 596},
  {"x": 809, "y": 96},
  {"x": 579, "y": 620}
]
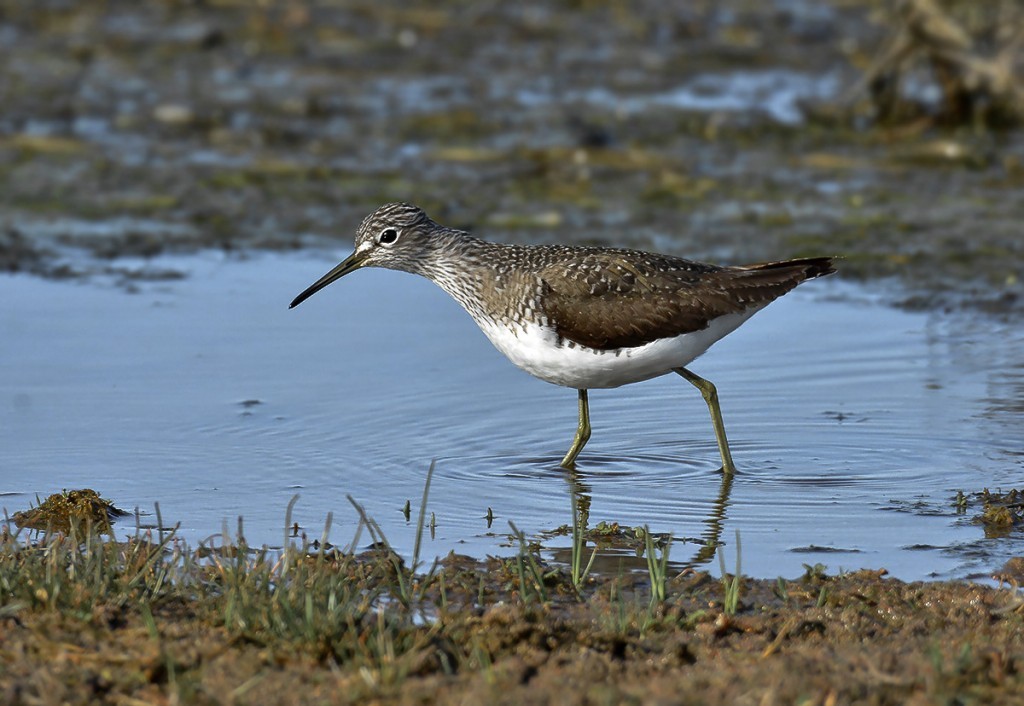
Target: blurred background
[{"x": 173, "y": 173}]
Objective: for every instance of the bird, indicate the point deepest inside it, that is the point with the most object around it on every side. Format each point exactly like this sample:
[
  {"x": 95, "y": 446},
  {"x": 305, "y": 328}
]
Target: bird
[{"x": 583, "y": 317}]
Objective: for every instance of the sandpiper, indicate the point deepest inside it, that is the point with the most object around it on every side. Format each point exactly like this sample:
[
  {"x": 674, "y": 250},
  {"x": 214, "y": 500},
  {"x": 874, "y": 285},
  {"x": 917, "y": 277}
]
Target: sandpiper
[{"x": 581, "y": 317}]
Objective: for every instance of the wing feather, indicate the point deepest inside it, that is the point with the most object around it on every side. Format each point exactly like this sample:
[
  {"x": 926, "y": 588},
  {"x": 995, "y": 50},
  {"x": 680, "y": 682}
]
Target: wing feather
[{"x": 622, "y": 300}]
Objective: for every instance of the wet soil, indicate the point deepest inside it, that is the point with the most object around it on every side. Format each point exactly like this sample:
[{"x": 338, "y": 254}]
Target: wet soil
[{"x": 486, "y": 634}]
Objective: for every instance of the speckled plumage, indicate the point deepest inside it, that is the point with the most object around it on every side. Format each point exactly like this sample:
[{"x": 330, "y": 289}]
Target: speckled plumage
[
  {"x": 583, "y": 317},
  {"x": 601, "y": 298}
]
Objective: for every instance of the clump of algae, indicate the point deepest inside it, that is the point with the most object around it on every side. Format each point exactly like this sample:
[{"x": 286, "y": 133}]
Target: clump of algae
[{"x": 61, "y": 511}]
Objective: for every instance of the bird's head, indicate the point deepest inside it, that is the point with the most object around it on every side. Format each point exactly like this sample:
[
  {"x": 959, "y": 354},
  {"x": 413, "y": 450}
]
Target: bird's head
[{"x": 396, "y": 236}]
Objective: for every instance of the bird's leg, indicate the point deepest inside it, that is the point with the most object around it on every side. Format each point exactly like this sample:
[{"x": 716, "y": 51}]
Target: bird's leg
[
  {"x": 710, "y": 394},
  {"x": 582, "y": 434}
]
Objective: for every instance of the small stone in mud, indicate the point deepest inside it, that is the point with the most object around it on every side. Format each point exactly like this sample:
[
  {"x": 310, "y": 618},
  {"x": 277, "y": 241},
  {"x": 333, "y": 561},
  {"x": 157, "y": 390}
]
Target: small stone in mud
[{"x": 173, "y": 114}]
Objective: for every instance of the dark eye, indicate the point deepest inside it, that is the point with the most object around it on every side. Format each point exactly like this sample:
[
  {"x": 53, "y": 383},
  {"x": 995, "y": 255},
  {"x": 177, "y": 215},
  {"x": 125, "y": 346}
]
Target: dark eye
[{"x": 389, "y": 236}]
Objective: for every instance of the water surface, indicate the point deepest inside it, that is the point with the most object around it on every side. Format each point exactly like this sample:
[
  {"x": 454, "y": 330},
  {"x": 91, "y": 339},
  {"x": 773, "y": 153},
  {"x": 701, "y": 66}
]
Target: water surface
[{"x": 853, "y": 423}]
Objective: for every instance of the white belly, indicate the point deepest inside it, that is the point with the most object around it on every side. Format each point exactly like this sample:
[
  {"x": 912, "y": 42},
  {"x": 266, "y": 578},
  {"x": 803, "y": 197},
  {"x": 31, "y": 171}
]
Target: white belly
[{"x": 535, "y": 349}]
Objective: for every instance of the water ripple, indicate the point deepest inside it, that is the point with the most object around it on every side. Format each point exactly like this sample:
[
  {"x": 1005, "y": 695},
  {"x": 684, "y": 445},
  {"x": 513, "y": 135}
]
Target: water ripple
[{"x": 209, "y": 396}]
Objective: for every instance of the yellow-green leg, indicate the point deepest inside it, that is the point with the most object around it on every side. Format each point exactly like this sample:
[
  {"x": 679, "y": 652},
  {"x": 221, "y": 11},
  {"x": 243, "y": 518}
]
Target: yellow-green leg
[
  {"x": 582, "y": 434},
  {"x": 710, "y": 394}
]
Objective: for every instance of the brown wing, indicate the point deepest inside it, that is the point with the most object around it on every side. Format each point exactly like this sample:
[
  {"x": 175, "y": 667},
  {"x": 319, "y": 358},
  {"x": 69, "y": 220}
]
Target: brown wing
[{"x": 624, "y": 299}]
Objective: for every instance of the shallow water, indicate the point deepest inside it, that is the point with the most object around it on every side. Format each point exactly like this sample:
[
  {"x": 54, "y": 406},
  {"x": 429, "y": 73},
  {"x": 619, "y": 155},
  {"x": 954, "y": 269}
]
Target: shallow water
[
  {"x": 853, "y": 423},
  {"x": 777, "y": 93}
]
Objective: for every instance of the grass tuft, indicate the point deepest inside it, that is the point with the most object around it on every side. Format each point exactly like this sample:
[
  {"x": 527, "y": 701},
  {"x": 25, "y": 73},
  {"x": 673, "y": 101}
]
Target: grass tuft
[{"x": 731, "y": 586}]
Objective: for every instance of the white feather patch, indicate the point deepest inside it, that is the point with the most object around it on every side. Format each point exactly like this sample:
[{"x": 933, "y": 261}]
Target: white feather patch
[{"x": 536, "y": 350}]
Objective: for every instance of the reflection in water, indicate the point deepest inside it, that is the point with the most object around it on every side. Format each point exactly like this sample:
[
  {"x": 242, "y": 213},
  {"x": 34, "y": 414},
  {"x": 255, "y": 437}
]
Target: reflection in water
[
  {"x": 580, "y": 500},
  {"x": 714, "y": 523},
  {"x": 579, "y": 494}
]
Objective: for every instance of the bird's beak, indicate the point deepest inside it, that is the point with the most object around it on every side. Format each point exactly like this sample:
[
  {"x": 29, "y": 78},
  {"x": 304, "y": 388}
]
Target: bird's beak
[{"x": 349, "y": 264}]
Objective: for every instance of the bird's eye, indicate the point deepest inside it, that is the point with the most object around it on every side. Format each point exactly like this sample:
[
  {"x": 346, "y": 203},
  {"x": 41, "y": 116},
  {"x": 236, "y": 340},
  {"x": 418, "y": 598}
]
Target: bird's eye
[{"x": 388, "y": 236}]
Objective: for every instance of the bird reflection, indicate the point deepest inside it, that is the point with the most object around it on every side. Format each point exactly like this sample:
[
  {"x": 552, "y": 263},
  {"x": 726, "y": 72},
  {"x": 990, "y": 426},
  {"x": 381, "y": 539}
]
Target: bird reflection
[{"x": 614, "y": 560}]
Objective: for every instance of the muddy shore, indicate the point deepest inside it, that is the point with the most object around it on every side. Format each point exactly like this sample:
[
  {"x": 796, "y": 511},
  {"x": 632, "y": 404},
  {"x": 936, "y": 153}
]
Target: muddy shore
[
  {"x": 140, "y": 128},
  {"x": 146, "y": 623}
]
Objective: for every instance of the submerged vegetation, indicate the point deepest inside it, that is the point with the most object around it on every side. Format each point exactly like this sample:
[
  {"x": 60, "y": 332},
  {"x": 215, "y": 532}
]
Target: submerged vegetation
[{"x": 1000, "y": 512}]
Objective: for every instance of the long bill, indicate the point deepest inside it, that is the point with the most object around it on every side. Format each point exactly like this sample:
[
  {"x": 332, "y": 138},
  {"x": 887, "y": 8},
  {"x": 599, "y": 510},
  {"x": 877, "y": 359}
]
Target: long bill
[{"x": 349, "y": 264}]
